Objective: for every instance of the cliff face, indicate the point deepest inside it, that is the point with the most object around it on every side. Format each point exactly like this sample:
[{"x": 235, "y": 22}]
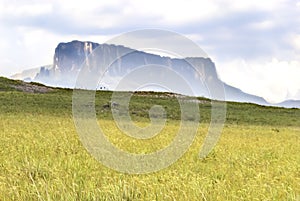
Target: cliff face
[{"x": 69, "y": 59}]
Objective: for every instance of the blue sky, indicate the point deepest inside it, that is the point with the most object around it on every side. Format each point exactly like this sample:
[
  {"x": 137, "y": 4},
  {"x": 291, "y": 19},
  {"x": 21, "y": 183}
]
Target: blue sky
[{"x": 254, "y": 44}]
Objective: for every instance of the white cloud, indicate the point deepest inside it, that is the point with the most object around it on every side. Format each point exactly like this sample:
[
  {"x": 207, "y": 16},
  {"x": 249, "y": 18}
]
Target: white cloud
[
  {"x": 266, "y": 24},
  {"x": 273, "y": 80},
  {"x": 12, "y": 8},
  {"x": 255, "y": 4},
  {"x": 195, "y": 37},
  {"x": 92, "y": 13},
  {"x": 180, "y": 12},
  {"x": 295, "y": 41}
]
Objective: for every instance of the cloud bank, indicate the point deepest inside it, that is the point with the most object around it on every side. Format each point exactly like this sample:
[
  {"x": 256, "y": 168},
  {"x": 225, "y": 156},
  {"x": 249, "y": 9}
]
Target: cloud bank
[{"x": 255, "y": 44}]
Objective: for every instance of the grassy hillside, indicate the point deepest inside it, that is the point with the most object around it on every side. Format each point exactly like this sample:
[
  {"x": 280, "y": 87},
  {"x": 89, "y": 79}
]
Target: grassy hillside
[
  {"x": 42, "y": 158},
  {"x": 50, "y": 101}
]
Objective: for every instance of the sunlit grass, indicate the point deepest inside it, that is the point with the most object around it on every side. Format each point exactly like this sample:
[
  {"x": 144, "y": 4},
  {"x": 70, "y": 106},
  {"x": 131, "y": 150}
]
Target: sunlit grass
[{"x": 42, "y": 158}]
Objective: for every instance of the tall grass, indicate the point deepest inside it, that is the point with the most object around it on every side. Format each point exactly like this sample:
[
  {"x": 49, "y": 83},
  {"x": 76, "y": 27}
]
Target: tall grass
[{"x": 42, "y": 158}]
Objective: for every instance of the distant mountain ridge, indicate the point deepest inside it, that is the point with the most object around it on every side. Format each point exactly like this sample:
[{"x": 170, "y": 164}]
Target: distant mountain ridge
[
  {"x": 69, "y": 57},
  {"x": 290, "y": 104},
  {"x": 30, "y": 74}
]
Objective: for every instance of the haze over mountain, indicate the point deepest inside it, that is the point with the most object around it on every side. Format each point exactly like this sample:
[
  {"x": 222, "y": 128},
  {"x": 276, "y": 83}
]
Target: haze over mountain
[{"x": 70, "y": 57}]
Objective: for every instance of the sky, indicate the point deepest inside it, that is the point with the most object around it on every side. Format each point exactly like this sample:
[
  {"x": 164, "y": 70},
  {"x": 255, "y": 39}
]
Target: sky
[{"x": 254, "y": 44}]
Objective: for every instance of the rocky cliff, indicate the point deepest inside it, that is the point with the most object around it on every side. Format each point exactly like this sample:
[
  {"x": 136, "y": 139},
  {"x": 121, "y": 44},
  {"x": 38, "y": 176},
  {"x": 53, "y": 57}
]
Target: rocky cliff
[{"x": 70, "y": 57}]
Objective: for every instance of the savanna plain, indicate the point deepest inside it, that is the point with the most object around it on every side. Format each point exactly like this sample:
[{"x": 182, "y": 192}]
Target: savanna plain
[{"x": 42, "y": 158}]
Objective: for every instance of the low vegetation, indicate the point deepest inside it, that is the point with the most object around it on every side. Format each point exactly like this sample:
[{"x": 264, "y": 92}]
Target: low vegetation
[{"x": 42, "y": 158}]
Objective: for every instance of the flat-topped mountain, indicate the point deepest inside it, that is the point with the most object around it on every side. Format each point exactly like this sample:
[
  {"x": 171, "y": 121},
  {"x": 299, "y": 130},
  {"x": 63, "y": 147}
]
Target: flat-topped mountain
[{"x": 69, "y": 58}]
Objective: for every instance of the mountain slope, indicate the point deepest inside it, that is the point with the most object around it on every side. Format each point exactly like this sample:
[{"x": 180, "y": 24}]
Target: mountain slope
[
  {"x": 18, "y": 85},
  {"x": 290, "y": 104},
  {"x": 69, "y": 58},
  {"x": 30, "y": 74}
]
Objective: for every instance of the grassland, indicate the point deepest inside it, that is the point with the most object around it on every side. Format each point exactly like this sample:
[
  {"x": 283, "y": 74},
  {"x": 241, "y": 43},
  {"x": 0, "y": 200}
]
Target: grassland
[{"x": 42, "y": 158}]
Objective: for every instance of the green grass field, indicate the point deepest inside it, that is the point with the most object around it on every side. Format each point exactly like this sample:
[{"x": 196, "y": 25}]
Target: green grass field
[{"x": 42, "y": 158}]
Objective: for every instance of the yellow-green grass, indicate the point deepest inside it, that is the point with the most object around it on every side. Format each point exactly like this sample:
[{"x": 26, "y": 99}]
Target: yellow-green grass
[{"x": 42, "y": 158}]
